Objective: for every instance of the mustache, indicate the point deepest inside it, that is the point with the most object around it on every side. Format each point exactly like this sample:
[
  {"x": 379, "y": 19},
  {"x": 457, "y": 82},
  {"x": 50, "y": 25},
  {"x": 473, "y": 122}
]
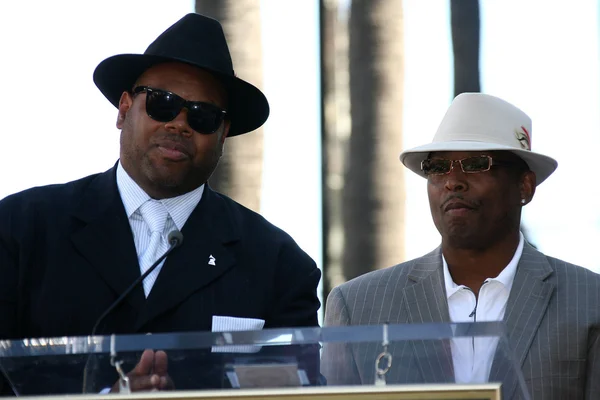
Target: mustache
[
  {"x": 183, "y": 144},
  {"x": 170, "y": 137},
  {"x": 470, "y": 203}
]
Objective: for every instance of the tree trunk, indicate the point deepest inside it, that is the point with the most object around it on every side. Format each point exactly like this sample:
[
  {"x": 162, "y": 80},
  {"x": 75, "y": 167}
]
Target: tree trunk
[
  {"x": 239, "y": 174},
  {"x": 373, "y": 197},
  {"x": 464, "y": 24},
  {"x": 330, "y": 164}
]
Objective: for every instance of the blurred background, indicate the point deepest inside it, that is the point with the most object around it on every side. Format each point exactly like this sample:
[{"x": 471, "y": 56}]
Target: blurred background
[{"x": 351, "y": 84}]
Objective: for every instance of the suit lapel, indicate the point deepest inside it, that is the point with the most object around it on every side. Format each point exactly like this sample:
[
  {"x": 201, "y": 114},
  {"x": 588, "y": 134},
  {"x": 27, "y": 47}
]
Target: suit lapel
[
  {"x": 105, "y": 240},
  {"x": 204, "y": 255},
  {"x": 426, "y": 303},
  {"x": 527, "y": 304}
]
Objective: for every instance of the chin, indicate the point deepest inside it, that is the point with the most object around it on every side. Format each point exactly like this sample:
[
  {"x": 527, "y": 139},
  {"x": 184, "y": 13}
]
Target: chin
[
  {"x": 165, "y": 178},
  {"x": 460, "y": 238},
  {"x": 464, "y": 244}
]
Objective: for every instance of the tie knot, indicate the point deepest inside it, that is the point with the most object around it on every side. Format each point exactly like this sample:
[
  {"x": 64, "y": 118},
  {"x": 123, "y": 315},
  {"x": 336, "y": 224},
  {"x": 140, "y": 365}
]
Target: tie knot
[{"x": 155, "y": 214}]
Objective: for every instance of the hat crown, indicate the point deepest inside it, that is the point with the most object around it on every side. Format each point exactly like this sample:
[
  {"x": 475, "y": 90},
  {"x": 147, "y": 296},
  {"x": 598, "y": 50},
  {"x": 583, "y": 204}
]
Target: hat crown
[
  {"x": 480, "y": 122},
  {"x": 478, "y": 117},
  {"x": 198, "y": 41},
  {"x": 195, "y": 39}
]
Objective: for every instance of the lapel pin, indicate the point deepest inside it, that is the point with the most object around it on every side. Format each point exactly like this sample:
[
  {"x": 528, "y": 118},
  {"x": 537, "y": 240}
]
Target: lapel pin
[{"x": 212, "y": 260}]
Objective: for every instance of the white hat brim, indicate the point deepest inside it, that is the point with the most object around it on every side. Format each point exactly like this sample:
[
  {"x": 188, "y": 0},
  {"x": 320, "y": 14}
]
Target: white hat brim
[{"x": 543, "y": 166}]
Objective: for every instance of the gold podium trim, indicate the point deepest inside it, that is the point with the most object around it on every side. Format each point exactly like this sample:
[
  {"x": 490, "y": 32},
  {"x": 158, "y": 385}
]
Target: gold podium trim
[{"x": 389, "y": 392}]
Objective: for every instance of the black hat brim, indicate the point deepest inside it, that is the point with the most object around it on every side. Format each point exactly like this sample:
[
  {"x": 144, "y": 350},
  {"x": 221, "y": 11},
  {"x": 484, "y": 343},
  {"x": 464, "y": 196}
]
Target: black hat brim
[{"x": 247, "y": 107}]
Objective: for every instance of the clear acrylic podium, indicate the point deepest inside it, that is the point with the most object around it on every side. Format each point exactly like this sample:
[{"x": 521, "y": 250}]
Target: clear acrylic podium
[{"x": 412, "y": 361}]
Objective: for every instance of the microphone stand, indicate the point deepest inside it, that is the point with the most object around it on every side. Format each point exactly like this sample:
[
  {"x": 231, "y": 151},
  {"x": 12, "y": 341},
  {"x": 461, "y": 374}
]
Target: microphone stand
[{"x": 175, "y": 239}]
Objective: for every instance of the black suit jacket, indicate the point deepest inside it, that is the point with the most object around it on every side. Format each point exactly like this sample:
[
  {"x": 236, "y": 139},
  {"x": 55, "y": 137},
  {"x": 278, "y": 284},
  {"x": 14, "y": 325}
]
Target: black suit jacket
[{"x": 67, "y": 253}]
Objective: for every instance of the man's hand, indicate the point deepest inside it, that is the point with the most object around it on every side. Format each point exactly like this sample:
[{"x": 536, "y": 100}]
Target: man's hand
[{"x": 150, "y": 373}]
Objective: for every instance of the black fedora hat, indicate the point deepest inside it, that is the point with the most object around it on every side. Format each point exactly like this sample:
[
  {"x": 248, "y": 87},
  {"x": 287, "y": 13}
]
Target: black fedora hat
[{"x": 195, "y": 40}]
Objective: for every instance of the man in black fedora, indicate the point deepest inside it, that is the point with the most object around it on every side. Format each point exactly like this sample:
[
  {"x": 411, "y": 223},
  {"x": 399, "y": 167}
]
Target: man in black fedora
[{"x": 69, "y": 251}]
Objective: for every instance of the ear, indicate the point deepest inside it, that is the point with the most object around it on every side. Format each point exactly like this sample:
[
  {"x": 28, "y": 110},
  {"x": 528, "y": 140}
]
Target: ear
[
  {"x": 527, "y": 186},
  {"x": 125, "y": 103}
]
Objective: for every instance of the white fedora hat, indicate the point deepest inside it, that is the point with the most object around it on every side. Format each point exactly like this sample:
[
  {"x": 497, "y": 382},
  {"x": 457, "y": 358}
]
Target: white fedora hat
[{"x": 480, "y": 122}]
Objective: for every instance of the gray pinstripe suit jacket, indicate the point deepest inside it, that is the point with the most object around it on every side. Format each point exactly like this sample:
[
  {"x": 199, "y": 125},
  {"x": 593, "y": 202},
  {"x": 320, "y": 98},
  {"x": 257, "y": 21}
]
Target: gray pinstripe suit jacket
[{"x": 552, "y": 320}]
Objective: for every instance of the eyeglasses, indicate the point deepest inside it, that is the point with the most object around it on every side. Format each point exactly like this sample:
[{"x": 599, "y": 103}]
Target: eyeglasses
[
  {"x": 165, "y": 106},
  {"x": 469, "y": 165}
]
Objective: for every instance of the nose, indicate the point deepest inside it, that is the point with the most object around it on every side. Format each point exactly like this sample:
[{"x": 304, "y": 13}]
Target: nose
[
  {"x": 455, "y": 180},
  {"x": 179, "y": 124}
]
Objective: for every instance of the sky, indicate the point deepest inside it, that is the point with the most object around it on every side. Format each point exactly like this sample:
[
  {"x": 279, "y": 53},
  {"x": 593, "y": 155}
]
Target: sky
[{"x": 58, "y": 127}]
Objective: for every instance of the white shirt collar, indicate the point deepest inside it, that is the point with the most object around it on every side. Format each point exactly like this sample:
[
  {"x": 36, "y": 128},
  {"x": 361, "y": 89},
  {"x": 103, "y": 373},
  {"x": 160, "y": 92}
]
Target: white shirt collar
[
  {"x": 133, "y": 196},
  {"x": 506, "y": 276}
]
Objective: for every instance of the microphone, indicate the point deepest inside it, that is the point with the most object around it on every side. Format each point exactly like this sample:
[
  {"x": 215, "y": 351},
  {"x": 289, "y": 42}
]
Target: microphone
[{"x": 175, "y": 239}]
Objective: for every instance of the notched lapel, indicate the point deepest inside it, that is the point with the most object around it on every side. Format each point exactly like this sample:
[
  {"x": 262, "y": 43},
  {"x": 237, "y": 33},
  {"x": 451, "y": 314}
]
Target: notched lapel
[
  {"x": 209, "y": 237},
  {"x": 426, "y": 303},
  {"x": 527, "y": 304},
  {"x": 106, "y": 241}
]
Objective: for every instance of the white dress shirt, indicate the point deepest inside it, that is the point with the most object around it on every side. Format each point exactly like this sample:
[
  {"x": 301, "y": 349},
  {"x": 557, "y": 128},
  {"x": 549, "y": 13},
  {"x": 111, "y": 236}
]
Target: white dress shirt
[
  {"x": 133, "y": 196},
  {"x": 472, "y": 358}
]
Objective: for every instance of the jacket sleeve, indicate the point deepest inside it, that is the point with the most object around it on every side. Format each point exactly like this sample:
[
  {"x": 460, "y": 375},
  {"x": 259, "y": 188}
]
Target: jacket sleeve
[
  {"x": 338, "y": 364},
  {"x": 295, "y": 289},
  {"x": 9, "y": 274},
  {"x": 593, "y": 366}
]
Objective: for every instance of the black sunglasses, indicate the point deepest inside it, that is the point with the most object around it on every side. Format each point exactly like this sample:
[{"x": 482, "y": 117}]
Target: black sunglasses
[
  {"x": 469, "y": 165},
  {"x": 164, "y": 106}
]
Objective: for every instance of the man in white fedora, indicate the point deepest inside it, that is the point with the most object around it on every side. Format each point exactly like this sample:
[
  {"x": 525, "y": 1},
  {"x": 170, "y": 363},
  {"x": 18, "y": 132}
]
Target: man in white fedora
[{"x": 481, "y": 171}]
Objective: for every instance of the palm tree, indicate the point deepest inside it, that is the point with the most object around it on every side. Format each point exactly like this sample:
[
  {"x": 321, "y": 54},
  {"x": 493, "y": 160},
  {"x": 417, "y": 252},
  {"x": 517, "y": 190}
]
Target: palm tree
[
  {"x": 373, "y": 192},
  {"x": 464, "y": 24},
  {"x": 239, "y": 174},
  {"x": 330, "y": 160}
]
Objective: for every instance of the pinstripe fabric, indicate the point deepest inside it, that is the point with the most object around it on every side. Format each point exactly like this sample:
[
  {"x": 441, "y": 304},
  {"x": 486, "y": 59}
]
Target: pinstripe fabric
[
  {"x": 552, "y": 318},
  {"x": 133, "y": 196}
]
